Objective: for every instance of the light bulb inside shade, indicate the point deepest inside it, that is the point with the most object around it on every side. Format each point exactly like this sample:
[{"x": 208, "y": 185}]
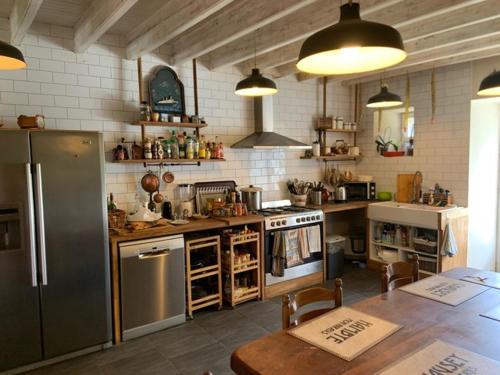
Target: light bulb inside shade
[
  {"x": 351, "y": 60},
  {"x": 256, "y": 91},
  {"x": 9, "y": 63},
  {"x": 492, "y": 91},
  {"x": 384, "y": 104}
]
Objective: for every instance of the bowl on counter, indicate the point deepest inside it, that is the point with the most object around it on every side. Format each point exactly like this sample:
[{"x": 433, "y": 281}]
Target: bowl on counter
[{"x": 384, "y": 196}]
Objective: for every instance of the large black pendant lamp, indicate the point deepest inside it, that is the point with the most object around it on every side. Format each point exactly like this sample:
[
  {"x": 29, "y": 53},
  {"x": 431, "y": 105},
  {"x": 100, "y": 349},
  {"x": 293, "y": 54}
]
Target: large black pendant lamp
[
  {"x": 384, "y": 99},
  {"x": 490, "y": 85},
  {"x": 256, "y": 84},
  {"x": 10, "y": 57},
  {"x": 351, "y": 46}
]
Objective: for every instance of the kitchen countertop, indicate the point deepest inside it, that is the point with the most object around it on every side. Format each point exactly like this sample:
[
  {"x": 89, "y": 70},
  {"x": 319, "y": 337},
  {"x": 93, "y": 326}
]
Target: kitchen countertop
[
  {"x": 337, "y": 207},
  {"x": 193, "y": 226}
]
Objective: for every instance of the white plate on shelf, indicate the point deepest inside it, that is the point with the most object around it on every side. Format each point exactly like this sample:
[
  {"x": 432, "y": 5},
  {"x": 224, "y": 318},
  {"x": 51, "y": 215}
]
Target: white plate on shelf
[
  {"x": 179, "y": 222},
  {"x": 199, "y": 216}
]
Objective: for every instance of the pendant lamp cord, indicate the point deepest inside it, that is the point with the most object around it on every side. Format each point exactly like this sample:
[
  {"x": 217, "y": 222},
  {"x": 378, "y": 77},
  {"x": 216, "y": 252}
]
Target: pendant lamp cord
[{"x": 255, "y": 50}]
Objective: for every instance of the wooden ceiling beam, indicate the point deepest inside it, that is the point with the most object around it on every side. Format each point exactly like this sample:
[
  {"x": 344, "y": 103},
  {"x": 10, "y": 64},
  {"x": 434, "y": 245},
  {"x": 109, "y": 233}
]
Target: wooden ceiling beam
[
  {"x": 230, "y": 23},
  {"x": 184, "y": 15},
  {"x": 406, "y": 15},
  {"x": 286, "y": 30},
  {"x": 21, "y": 17},
  {"x": 456, "y": 53},
  {"x": 97, "y": 20}
]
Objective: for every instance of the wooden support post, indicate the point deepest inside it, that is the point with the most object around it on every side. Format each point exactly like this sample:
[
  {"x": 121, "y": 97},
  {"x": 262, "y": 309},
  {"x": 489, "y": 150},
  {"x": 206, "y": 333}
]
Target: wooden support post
[
  {"x": 195, "y": 88},
  {"x": 139, "y": 79}
]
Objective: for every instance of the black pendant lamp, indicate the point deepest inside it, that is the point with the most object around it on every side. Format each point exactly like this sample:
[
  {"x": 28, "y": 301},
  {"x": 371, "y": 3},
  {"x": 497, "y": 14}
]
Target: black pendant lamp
[
  {"x": 490, "y": 86},
  {"x": 10, "y": 57},
  {"x": 351, "y": 46},
  {"x": 384, "y": 99},
  {"x": 256, "y": 85}
]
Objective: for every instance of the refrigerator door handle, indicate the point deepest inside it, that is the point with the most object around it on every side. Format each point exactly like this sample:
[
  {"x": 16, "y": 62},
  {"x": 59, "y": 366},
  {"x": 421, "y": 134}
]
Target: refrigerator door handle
[
  {"x": 41, "y": 222},
  {"x": 31, "y": 226}
]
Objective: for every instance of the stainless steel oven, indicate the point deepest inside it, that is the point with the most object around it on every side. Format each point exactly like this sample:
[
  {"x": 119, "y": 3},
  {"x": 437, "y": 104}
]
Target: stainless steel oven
[
  {"x": 282, "y": 219},
  {"x": 360, "y": 191}
]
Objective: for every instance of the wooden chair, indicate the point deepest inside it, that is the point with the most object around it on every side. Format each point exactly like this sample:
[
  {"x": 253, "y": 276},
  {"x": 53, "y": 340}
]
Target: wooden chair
[
  {"x": 397, "y": 274},
  {"x": 290, "y": 305}
]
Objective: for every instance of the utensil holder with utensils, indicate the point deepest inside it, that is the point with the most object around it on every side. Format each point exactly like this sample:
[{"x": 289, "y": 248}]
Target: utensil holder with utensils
[{"x": 299, "y": 200}]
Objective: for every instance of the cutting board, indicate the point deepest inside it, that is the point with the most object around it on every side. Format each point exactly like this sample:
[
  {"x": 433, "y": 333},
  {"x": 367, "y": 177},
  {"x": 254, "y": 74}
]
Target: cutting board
[{"x": 404, "y": 188}]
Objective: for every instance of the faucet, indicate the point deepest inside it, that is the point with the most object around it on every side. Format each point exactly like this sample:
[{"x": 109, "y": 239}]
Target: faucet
[{"x": 416, "y": 187}]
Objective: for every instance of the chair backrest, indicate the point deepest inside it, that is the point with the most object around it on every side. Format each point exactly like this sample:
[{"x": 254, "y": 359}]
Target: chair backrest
[
  {"x": 290, "y": 305},
  {"x": 397, "y": 274}
]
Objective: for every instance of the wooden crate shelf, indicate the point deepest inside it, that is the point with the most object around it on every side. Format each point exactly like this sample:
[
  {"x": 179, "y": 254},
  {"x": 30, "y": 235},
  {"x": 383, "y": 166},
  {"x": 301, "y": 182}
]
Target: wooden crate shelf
[
  {"x": 209, "y": 244},
  {"x": 233, "y": 270},
  {"x": 334, "y": 158}
]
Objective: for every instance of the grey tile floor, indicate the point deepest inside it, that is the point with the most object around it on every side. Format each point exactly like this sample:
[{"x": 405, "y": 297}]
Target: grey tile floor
[{"x": 205, "y": 343}]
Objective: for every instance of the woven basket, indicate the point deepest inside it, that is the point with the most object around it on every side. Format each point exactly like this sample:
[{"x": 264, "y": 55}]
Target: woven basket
[{"x": 116, "y": 219}]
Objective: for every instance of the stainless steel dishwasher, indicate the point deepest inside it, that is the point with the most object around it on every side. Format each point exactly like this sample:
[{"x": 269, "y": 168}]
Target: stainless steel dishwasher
[{"x": 152, "y": 285}]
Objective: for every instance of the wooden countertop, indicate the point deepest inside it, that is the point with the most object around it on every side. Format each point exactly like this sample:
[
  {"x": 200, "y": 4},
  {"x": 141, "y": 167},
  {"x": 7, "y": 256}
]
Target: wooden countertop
[
  {"x": 193, "y": 226},
  {"x": 337, "y": 207}
]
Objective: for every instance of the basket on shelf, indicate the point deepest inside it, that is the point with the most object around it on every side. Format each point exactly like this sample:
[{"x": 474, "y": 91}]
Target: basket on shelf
[{"x": 117, "y": 219}]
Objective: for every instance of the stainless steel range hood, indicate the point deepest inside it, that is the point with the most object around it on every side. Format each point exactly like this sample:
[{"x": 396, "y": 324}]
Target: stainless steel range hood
[{"x": 264, "y": 137}]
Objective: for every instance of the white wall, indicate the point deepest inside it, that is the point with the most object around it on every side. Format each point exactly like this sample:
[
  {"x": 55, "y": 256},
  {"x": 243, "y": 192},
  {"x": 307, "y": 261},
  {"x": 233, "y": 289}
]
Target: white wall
[{"x": 97, "y": 90}]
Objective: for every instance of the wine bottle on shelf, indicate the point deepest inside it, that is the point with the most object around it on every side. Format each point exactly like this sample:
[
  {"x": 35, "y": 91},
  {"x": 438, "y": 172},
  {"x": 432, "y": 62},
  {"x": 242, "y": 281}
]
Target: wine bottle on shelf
[
  {"x": 196, "y": 146},
  {"x": 111, "y": 203},
  {"x": 202, "y": 151}
]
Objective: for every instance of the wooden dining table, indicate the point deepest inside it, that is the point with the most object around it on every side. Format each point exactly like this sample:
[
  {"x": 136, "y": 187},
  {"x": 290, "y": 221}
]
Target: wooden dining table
[{"x": 423, "y": 321}]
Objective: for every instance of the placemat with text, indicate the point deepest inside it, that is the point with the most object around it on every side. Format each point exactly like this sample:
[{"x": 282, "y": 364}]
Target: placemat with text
[
  {"x": 439, "y": 358},
  {"x": 443, "y": 289},
  {"x": 344, "y": 332},
  {"x": 486, "y": 278}
]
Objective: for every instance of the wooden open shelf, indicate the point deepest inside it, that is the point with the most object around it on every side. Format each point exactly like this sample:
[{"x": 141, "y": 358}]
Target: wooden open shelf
[
  {"x": 334, "y": 158},
  {"x": 213, "y": 270},
  {"x": 168, "y": 161},
  {"x": 339, "y": 130},
  {"x": 170, "y": 124}
]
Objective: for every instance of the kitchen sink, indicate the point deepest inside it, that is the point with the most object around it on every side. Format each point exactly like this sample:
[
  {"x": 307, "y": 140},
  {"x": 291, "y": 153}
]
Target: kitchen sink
[{"x": 407, "y": 213}]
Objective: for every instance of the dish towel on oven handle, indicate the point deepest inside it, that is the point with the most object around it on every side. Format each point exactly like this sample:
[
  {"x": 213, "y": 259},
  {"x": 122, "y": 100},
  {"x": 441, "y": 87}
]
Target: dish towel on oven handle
[
  {"x": 278, "y": 255},
  {"x": 449, "y": 246},
  {"x": 304, "y": 244},
  {"x": 292, "y": 247},
  {"x": 314, "y": 239}
]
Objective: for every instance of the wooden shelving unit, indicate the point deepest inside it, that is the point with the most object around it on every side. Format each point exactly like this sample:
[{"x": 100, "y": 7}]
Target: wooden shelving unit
[
  {"x": 212, "y": 246},
  {"x": 170, "y": 124},
  {"x": 168, "y": 161},
  {"x": 334, "y": 158},
  {"x": 245, "y": 243}
]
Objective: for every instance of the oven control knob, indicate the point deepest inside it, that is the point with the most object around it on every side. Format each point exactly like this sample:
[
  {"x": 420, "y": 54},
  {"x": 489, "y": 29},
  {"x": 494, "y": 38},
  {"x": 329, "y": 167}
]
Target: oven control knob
[
  {"x": 283, "y": 222},
  {"x": 302, "y": 219},
  {"x": 272, "y": 223},
  {"x": 297, "y": 220},
  {"x": 317, "y": 217},
  {"x": 278, "y": 223},
  {"x": 308, "y": 218}
]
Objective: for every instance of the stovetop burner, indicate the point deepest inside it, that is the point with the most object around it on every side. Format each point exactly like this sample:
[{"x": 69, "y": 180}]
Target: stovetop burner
[{"x": 283, "y": 210}]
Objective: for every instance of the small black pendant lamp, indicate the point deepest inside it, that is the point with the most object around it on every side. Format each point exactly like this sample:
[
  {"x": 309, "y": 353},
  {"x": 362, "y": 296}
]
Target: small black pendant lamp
[
  {"x": 256, "y": 84},
  {"x": 351, "y": 46},
  {"x": 384, "y": 99},
  {"x": 490, "y": 85},
  {"x": 10, "y": 57}
]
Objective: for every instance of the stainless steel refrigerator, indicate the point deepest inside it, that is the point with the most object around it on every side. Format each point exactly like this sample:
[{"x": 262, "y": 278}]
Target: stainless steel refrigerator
[{"x": 54, "y": 258}]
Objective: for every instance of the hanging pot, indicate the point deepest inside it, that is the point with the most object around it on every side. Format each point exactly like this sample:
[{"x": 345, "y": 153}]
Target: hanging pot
[{"x": 150, "y": 182}]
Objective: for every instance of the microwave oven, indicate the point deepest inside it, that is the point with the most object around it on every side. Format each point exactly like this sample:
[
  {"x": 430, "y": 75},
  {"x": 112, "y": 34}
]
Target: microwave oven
[{"x": 360, "y": 191}]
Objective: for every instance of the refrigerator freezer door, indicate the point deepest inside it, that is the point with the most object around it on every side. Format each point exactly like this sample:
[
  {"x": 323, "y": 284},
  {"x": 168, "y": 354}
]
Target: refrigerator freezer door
[
  {"x": 20, "y": 332},
  {"x": 75, "y": 301}
]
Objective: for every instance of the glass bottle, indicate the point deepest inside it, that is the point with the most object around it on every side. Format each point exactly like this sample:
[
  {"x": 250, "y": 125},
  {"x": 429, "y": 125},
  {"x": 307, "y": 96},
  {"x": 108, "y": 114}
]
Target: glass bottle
[
  {"x": 174, "y": 146},
  {"x": 182, "y": 149},
  {"x": 196, "y": 145},
  {"x": 189, "y": 148},
  {"x": 147, "y": 149},
  {"x": 221, "y": 150},
  {"x": 202, "y": 152},
  {"x": 111, "y": 203}
]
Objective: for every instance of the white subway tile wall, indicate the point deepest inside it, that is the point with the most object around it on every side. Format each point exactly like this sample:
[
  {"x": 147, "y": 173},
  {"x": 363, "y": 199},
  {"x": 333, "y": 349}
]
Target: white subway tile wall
[
  {"x": 441, "y": 147},
  {"x": 98, "y": 90}
]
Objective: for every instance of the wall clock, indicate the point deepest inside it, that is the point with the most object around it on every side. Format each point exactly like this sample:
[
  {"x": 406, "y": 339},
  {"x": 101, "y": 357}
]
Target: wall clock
[{"x": 166, "y": 92}]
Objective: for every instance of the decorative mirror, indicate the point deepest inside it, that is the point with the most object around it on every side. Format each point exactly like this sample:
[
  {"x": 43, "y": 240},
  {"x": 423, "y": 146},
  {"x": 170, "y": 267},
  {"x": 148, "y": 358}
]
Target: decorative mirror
[
  {"x": 393, "y": 131},
  {"x": 166, "y": 92}
]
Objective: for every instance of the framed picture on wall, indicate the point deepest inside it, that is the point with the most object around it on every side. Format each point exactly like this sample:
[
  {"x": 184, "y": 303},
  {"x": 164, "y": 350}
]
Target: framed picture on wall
[{"x": 166, "y": 92}]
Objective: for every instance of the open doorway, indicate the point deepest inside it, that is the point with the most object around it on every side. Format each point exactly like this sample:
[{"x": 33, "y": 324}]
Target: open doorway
[{"x": 484, "y": 193}]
